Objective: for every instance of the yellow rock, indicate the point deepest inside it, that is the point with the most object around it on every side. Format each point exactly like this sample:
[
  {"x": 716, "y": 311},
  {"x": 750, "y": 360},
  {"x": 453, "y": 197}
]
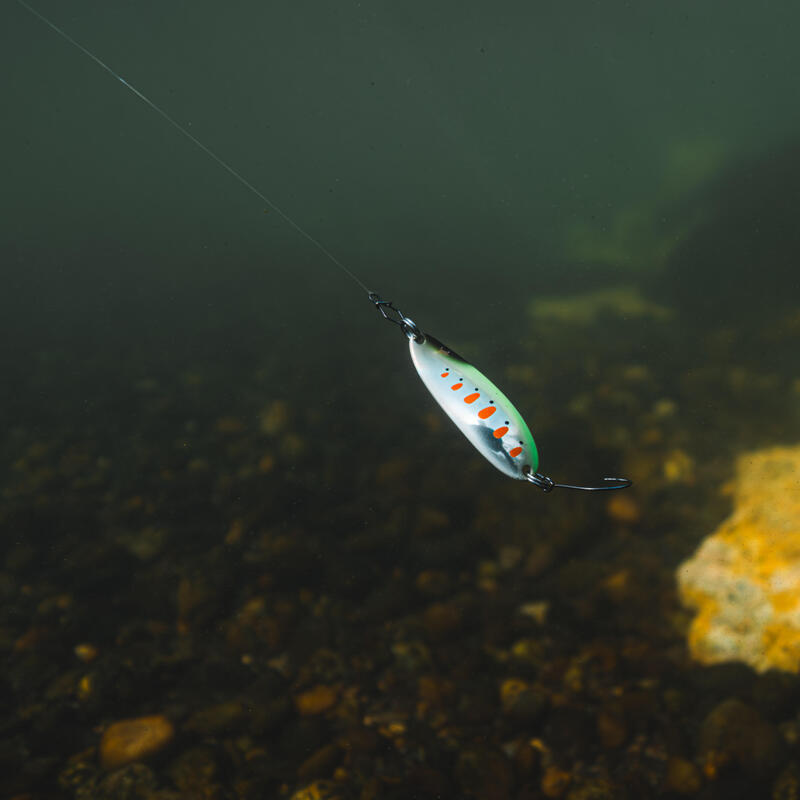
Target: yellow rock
[
  {"x": 134, "y": 739},
  {"x": 86, "y": 652},
  {"x": 744, "y": 579}
]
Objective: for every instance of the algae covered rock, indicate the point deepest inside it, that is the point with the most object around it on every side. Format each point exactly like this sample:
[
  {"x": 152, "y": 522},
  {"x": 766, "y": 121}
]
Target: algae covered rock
[{"x": 744, "y": 579}]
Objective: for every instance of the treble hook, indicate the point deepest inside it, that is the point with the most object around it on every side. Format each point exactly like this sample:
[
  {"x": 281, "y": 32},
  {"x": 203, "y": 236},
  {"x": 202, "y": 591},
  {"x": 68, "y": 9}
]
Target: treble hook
[
  {"x": 407, "y": 325},
  {"x": 547, "y": 484}
]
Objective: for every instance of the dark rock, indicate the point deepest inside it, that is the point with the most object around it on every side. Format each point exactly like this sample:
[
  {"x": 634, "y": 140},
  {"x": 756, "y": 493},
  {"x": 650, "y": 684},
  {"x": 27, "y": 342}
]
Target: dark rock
[
  {"x": 484, "y": 774},
  {"x": 734, "y": 732}
]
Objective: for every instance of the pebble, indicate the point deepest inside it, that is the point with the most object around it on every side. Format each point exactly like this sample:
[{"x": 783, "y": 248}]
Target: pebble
[
  {"x": 316, "y": 700},
  {"x": 433, "y": 583},
  {"x": 555, "y": 781},
  {"x": 623, "y": 508},
  {"x": 612, "y": 729},
  {"x": 132, "y": 740},
  {"x": 735, "y": 732},
  {"x": 318, "y": 790},
  {"x": 521, "y": 700},
  {"x": 683, "y": 776},
  {"x": 787, "y": 784},
  {"x": 230, "y": 425},
  {"x": 442, "y": 619},
  {"x": 85, "y": 652},
  {"x": 537, "y": 611},
  {"x": 484, "y": 773},
  {"x": 320, "y": 762},
  {"x": 679, "y": 467},
  {"x": 274, "y": 418},
  {"x": 216, "y": 719}
]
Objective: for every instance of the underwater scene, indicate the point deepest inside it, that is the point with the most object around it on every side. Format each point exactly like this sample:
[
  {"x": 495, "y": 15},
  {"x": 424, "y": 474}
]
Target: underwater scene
[{"x": 400, "y": 400}]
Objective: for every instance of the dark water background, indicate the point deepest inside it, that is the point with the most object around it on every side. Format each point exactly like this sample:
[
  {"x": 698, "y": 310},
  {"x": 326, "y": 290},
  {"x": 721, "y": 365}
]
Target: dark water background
[{"x": 181, "y": 368}]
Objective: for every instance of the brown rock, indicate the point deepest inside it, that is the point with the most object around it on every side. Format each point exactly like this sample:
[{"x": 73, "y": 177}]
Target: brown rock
[
  {"x": 134, "y": 740},
  {"x": 522, "y": 701},
  {"x": 623, "y": 508},
  {"x": 683, "y": 777},
  {"x": 484, "y": 773},
  {"x": 555, "y": 782},
  {"x": 735, "y": 732},
  {"x": 321, "y": 762},
  {"x": 612, "y": 729},
  {"x": 442, "y": 619},
  {"x": 316, "y": 700}
]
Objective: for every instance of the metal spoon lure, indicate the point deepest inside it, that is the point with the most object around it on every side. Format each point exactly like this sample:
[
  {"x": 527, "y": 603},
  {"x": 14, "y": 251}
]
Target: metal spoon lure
[{"x": 477, "y": 407}]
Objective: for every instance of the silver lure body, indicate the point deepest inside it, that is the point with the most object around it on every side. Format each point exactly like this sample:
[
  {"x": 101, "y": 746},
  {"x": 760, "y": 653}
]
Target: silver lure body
[{"x": 478, "y": 408}]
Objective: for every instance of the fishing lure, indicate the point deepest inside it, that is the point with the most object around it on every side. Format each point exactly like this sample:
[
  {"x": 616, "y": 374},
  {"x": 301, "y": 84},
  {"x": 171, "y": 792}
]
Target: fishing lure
[{"x": 479, "y": 409}]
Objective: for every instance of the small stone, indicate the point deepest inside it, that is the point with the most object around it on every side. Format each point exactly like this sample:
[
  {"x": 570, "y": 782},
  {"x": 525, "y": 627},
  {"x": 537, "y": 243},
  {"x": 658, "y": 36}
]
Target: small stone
[
  {"x": 274, "y": 418},
  {"x": 85, "y": 652},
  {"x": 230, "y": 425},
  {"x": 735, "y": 732},
  {"x": 442, "y": 619},
  {"x": 433, "y": 583},
  {"x": 509, "y": 557},
  {"x": 316, "y": 700},
  {"x": 623, "y": 508},
  {"x": 216, "y": 719},
  {"x": 193, "y": 773},
  {"x": 679, "y": 467},
  {"x": 530, "y": 652},
  {"x": 536, "y": 611},
  {"x": 430, "y": 520},
  {"x": 484, "y": 773},
  {"x": 612, "y": 729},
  {"x": 433, "y": 691},
  {"x": 555, "y": 781},
  {"x": 293, "y": 446},
  {"x": 319, "y": 790},
  {"x": 411, "y": 656},
  {"x": 618, "y": 585},
  {"x": 132, "y": 740},
  {"x": 85, "y": 688},
  {"x": 132, "y": 781},
  {"x": 683, "y": 777},
  {"x": 235, "y": 532},
  {"x": 522, "y": 701},
  {"x": 787, "y": 784},
  {"x": 321, "y": 762},
  {"x": 527, "y": 759},
  {"x": 664, "y": 408}
]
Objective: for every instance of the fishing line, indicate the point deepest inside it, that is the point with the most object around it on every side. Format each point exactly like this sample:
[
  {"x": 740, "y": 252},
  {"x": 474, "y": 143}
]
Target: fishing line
[
  {"x": 175, "y": 124},
  {"x": 485, "y": 416}
]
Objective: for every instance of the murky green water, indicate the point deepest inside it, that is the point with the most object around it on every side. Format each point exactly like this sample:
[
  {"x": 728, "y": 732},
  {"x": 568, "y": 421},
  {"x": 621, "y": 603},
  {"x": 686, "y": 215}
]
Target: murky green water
[{"x": 230, "y": 511}]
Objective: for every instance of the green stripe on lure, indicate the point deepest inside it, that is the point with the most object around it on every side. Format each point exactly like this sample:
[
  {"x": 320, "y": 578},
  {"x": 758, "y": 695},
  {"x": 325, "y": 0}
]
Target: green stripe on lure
[{"x": 478, "y": 408}]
